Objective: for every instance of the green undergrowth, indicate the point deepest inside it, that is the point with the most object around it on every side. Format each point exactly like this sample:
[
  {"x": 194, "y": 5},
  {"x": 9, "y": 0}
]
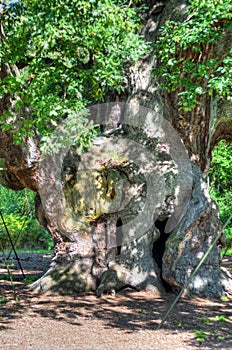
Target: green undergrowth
[
  {"x": 221, "y": 187},
  {"x": 30, "y": 279},
  {"x": 227, "y": 252},
  {"x": 3, "y": 301},
  {"x": 204, "y": 333},
  {"x": 18, "y": 210},
  {"x": 22, "y": 251}
]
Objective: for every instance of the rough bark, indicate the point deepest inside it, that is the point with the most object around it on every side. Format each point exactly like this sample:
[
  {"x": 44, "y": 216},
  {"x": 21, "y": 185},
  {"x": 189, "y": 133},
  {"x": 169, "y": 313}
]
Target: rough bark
[
  {"x": 21, "y": 161},
  {"x": 189, "y": 242},
  {"x": 103, "y": 241},
  {"x": 92, "y": 248},
  {"x": 200, "y": 130}
]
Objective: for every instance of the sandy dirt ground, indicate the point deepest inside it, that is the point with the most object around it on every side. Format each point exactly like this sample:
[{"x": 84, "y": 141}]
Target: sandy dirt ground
[{"x": 129, "y": 320}]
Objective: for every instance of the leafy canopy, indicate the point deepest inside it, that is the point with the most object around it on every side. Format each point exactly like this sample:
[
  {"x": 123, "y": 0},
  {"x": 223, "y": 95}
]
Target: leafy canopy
[
  {"x": 191, "y": 61},
  {"x": 69, "y": 54}
]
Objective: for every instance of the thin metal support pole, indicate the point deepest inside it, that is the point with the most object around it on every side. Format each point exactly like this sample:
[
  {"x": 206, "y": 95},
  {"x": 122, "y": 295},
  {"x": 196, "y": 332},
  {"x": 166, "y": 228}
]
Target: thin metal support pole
[{"x": 12, "y": 244}]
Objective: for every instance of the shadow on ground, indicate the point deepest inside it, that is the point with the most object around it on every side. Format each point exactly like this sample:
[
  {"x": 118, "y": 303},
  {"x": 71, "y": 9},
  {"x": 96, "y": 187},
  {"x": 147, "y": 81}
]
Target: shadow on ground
[{"x": 129, "y": 311}]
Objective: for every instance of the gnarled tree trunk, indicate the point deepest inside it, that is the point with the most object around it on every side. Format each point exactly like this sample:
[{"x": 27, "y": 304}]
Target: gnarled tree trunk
[{"x": 133, "y": 210}]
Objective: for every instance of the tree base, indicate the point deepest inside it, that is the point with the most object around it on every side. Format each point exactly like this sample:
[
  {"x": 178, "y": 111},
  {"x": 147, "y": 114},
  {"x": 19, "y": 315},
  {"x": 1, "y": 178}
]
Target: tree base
[{"x": 134, "y": 267}]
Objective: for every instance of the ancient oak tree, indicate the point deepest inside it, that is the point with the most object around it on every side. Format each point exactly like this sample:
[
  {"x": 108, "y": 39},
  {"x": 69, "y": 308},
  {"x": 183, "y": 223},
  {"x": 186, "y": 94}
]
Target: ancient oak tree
[{"x": 110, "y": 112}]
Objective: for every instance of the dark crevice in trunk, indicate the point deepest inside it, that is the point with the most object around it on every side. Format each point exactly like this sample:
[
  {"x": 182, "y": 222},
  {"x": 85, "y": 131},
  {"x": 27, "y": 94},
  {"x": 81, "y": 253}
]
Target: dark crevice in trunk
[
  {"x": 159, "y": 248},
  {"x": 119, "y": 236}
]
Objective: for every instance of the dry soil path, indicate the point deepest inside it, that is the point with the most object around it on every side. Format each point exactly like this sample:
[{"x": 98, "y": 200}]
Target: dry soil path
[{"x": 127, "y": 321}]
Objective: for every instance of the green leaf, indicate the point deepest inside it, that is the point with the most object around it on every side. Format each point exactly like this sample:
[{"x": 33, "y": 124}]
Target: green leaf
[{"x": 70, "y": 54}]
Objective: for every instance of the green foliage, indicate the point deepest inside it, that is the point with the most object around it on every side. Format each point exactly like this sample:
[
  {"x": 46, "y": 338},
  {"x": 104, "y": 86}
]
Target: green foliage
[
  {"x": 18, "y": 210},
  {"x": 205, "y": 320},
  {"x": 220, "y": 172},
  {"x": 77, "y": 131},
  {"x": 221, "y": 318},
  {"x": 218, "y": 332},
  {"x": 200, "y": 335},
  {"x": 187, "y": 54},
  {"x": 3, "y": 300},
  {"x": 30, "y": 279},
  {"x": 224, "y": 298},
  {"x": 229, "y": 252},
  {"x": 221, "y": 184},
  {"x": 69, "y": 54}
]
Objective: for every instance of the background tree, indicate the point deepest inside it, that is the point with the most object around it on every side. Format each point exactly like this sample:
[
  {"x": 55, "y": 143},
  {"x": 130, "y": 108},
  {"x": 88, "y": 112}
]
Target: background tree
[
  {"x": 19, "y": 216},
  {"x": 220, "y": 184}
]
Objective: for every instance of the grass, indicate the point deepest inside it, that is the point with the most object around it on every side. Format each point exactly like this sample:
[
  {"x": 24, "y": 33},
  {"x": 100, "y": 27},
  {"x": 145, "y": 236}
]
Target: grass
[
  {"x": 3, "y": 300},
  {"x": 46, "y": 251},
  {"x": 228, "y": 252},
  {"x": 225, "y": 298},
  {"x": 30, "y": 251},
  {"x": 202, "y": 334},
  {"x": 30, "y": 279},
  {"x": 205, "y": 320},
  {"x": 4, "y": 278}
]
